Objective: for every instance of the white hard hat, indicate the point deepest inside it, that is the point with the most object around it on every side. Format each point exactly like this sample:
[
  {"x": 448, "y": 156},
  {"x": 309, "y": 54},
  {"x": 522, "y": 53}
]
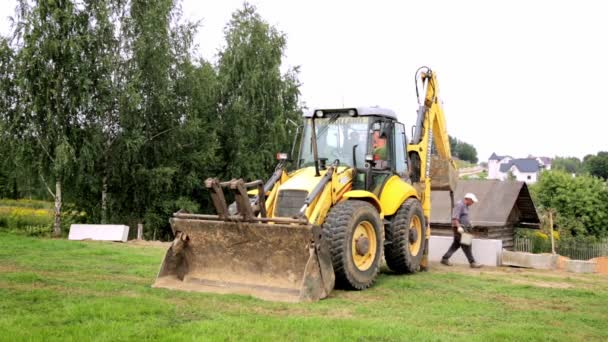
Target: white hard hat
[{"x": 471, "y": 196}]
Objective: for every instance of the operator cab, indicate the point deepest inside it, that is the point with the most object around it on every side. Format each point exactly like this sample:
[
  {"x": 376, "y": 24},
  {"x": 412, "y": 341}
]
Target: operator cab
[{"x": 368, "y": 139}]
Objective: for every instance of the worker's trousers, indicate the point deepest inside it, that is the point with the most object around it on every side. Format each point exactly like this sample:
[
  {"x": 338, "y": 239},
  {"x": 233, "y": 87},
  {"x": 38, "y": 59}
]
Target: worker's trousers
[{"x": 454, "y": 247}]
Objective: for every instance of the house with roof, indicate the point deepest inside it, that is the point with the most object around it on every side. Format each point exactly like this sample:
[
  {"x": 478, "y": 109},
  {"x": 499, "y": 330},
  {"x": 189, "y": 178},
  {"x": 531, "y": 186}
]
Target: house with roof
[
  {"x": 494, "y": 163},
  {"x": 503, "y": 206},
  {"x": 545, "y": 162},
  {"x": 520, "y": 169}
]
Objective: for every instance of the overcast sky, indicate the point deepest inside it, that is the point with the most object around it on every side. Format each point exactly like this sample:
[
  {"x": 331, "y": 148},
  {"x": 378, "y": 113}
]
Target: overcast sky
[{"x": 516, "y": 77}]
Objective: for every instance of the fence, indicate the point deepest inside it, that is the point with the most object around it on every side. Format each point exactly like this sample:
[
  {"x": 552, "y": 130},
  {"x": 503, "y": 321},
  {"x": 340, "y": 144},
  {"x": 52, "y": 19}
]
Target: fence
[{"x": 572, "y": 250}]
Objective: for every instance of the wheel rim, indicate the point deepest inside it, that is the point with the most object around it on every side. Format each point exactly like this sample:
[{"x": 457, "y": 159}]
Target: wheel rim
[
  {"x": 364, "y": 236},
  {"x": 416, "y": 225}
]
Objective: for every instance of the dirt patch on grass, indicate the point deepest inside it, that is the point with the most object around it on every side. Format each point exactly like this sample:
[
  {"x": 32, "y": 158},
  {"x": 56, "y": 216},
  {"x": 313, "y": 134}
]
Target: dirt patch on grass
[
  {"x": 27, "y": 287},
  {"x": 540, "y": 283},
  {"x": 9, "y": 268},
  {"x": 519, "y": 303},
  {"x": 370, "y": 296},
  {"x": 235, "y": 305},
  {"x": 555, "y": 279},
  {"x": 298, "y": 310},
  {"x": 146, "y": 243}
]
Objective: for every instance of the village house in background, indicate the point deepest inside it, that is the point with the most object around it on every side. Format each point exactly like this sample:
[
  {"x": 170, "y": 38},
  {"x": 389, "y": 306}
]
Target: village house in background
[{"x": 520, "y": 169}]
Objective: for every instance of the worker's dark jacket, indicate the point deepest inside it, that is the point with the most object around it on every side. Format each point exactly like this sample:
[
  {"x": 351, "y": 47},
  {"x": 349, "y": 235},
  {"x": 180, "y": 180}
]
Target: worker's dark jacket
[{"x": 460, "y": 213}]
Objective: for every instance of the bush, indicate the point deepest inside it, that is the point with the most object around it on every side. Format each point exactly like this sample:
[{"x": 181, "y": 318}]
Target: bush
[
  {"x": 16, "y": 217},
  {"x": 581, "y": 202},
  {"x": 71, "y": 215},
  {"x": 29, "y": 217},
  {"x": 36, "y": 218},
  {"x": 541, "y": 243}
]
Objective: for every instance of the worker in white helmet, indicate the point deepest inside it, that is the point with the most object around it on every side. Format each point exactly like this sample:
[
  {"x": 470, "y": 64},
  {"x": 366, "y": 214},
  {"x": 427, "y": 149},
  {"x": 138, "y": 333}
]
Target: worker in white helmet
[{"x": 461, "y": 223}]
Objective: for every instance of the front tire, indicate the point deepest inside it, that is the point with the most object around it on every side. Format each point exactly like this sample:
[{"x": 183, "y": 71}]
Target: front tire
[
  {"x": 405, "y": 237},
  {"x": 353, "y": 230}
]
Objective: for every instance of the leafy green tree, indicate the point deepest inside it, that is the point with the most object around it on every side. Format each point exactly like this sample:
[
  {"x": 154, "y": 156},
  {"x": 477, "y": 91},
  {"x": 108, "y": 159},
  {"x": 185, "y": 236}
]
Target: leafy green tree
[
  {"x": 8, "y": 96},
  {"x": 567, "y": 164},
  {"x": 581, "y": 202},
  {"x": 463, "y": 150},
  {"x": 597, "y": 165},
  {"x": 52, "y": 84},
  {"x": 255, "y": 99},
  {"x": 167, "y": 116},
  {"x": 467, "y": 152}
]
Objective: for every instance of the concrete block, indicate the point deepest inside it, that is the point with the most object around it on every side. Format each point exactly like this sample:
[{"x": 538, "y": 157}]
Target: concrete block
[
  {"x": 529, "y": 260},
  {"x": 101, "y": 232},
  {"x": 580, "y": 266},
  {"x": 486, "y": 251}
]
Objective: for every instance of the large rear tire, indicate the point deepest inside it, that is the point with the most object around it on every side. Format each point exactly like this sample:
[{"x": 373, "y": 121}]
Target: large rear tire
[
  {"x": 405, "y": 238},
  {"x": 353, "y": 230}
]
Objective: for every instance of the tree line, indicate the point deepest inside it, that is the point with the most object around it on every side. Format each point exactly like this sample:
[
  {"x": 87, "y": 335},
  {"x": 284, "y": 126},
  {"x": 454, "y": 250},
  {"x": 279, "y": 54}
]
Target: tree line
[
  {"x": 463, "y": 150},
  {"x": 105, "y": 104},
  {"x": 596, "y": 165}
]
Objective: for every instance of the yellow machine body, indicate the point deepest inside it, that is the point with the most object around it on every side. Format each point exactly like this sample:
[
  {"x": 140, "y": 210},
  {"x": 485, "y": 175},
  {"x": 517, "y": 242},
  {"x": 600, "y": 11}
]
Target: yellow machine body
[{"x": 290, "y": 239}]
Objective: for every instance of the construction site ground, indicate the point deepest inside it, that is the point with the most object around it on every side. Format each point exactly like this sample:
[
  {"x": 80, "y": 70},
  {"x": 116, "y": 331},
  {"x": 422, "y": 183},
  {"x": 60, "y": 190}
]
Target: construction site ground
[{"x": 54, "y": 289}]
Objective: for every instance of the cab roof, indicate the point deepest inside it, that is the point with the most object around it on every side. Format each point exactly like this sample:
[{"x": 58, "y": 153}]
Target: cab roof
[{"x": 361, "y": 111}]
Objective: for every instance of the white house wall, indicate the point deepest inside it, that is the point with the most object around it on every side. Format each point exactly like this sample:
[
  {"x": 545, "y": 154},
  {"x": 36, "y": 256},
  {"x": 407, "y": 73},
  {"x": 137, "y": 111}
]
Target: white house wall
[
  {"x": 523, "y": 176},
  {"x": 493, "y": 169},
  {"x": 494, "y": 172}
]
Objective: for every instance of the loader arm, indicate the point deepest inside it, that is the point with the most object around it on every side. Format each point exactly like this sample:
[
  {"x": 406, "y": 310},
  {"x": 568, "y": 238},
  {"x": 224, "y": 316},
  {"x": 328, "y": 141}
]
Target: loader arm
[{"x": 429, "y": 172}]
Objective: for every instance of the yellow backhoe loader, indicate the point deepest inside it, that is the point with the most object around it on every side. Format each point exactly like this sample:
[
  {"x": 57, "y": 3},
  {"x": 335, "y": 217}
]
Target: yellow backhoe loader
[{"x": 361, "y": 191}]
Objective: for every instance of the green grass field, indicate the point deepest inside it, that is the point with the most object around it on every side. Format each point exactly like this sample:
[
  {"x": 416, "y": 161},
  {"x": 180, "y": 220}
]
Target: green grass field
[{"x": 77, "y": 291}]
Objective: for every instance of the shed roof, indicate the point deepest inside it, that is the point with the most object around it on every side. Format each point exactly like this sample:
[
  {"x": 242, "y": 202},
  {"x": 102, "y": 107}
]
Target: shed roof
[{"x": 496, "y": 201}]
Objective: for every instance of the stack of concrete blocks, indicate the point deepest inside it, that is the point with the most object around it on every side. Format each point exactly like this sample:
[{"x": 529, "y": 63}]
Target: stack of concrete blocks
[
  {"x": 547, "y": 262},
  {"x": 100, "y": 232},
  {"x": 486, "y": 251}
]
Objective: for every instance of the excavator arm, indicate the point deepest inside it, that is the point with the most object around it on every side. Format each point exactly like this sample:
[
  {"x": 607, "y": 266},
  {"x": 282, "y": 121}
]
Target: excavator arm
[{"x": 430, "y": 172}]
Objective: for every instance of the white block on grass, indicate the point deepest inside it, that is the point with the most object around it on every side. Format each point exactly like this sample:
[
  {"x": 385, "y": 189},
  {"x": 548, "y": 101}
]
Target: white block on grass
[
  {"x": 101, "y": 232},
  {"x": 485, "y": 251}
]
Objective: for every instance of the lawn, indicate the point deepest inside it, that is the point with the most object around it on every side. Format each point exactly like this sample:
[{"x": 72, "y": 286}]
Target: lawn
[{"x": 73, "y": 291}]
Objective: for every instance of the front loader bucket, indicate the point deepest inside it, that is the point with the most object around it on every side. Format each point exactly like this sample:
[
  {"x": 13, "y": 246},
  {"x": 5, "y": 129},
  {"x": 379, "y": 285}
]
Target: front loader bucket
[{"x": 273, "y": 261}]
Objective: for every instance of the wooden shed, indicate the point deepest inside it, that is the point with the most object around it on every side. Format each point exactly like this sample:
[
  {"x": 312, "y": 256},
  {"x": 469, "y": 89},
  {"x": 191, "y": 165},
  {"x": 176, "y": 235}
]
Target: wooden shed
[{"x": 502, "y": 206}]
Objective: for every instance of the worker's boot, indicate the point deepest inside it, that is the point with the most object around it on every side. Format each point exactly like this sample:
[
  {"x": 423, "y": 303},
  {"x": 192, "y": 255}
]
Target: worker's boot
[
  {"x": 476, "y": 265},
  {"x": 446, "y": 262}
]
